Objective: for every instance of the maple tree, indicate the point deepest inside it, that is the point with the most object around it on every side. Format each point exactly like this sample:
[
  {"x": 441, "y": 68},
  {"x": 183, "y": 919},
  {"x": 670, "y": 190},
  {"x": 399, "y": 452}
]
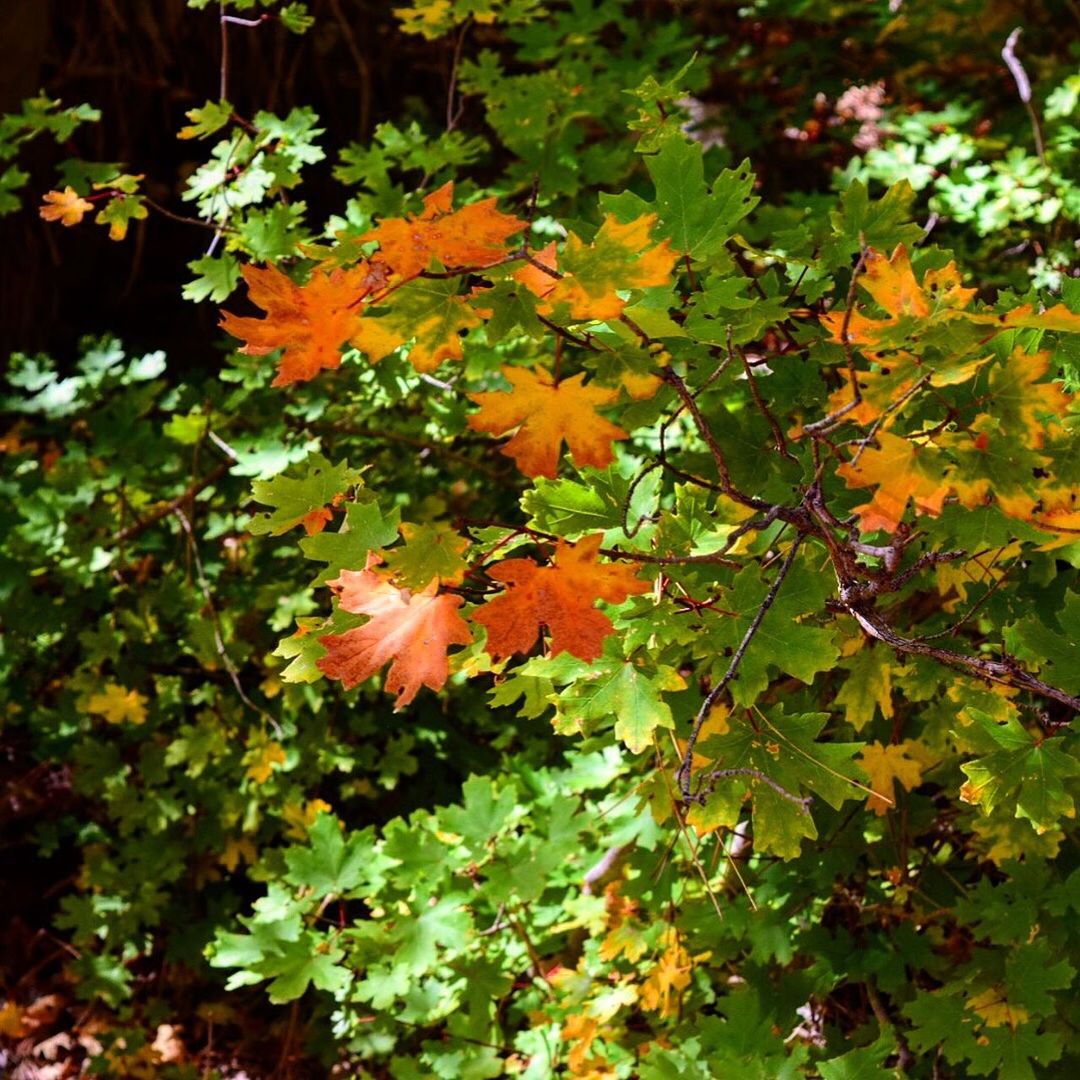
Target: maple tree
[{"x": 605, "y": 615}]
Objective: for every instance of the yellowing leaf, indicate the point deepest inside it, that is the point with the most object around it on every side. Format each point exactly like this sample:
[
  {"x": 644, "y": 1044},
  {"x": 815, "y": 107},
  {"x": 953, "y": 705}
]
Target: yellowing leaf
[
  {"x": 547, "y": 414},
  {"x": 299, "y": 817},
  {"x": 67, "y": 206},
  {"x": 238, "y": 849},
  {"x": 901, "y": 470},
  {"x": 868, "y": 686},
  {"x": 886, "y": 764},
  {"x": 994, "y": 1008},
  {"x": 667, "y": 978},
  {"x": 620, "y": 256},
  {"x": 118, "y": 705},
  {"x": 261, "y": 759}
]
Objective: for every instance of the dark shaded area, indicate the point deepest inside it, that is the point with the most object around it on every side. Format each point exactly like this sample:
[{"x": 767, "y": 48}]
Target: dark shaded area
[{"x": 143, "y": 65}]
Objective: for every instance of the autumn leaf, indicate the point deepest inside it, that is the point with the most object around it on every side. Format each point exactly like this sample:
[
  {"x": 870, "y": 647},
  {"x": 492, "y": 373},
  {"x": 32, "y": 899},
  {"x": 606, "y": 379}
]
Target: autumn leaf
[
  {"x": 892, "y": 284},
  {"x": 886, "y": 764},
  {"x": 412, "y": 630},
  {"x": 559, "y": 597},
  {"x": 310, "y": 322},
  {"x": 118, "y": 705},
  {"x": 475, "y": 235},
  {"x": 67, "y": 206},
  {"x": 430, "y": 552},
  {"x": 547, "y": 414},
  {"x": 621, "y": 256},
  {"x": 667, "y": 978},
  {"x": 261, "y": 759},
  {"x": 901, "y": 470},
  {"x": 430, "y": 314},
  {"x": 995, "y": 1009}
]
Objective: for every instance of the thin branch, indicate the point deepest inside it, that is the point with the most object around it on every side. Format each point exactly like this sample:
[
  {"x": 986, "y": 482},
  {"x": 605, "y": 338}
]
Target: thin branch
[
  {"x": 1002, "y": 672},
  {"x": 759, "y": 401},
  {"x": 723, "y": 774},
  {"x": 1023, "y": 88},
  {"x": 219, "y": 640},
  {"x": 137, "y": 528},
  {"x": 683, "y": 775}
]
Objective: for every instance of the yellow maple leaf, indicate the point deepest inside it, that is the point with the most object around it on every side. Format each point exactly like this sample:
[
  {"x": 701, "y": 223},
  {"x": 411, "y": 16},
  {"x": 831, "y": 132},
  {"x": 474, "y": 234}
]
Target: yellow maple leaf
[
  {"x": 11, "y": 1021},
  {"x": 261, "y": 759},
  {"x": 237, "y": 849},
  {"x": 902, "y": 470},
  {"x": 118, "y": 705},
  {"x": 299, "y": 817},
  {"x": 547, "y": 414},
  {"x": 994, "y": 1008},
  {"x": 67, "y": 206},
  {"x": 667, "y": 978},
  {"x": 903, "y": 762}
]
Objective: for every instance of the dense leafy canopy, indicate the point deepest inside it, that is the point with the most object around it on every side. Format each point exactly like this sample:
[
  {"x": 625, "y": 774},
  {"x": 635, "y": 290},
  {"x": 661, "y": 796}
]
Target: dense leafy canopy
[{"x": 607, "y": 616}]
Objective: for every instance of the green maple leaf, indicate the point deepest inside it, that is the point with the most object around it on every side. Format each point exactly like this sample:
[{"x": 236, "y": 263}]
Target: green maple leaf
[
  {"x": 365, "y": 529},
  {"x": 418, "y": 938},
  {"x": 868, "y": 686},
  {"x": 781, "y": 642},
  {"x": 881, "y": 224},
  {"x": 430, "y": 551},
  {"x": 941, "y": 1019},
  {"x": 295, "y": 498},
  {"x": 864, "y": 1063},
  {"x": 629, "y": 693},
  {"x": 1022, "y": 768},
  {"x": 302, "y": 650},
  {"x": 1030, "y": 975},
  {"x": 211, "y": 117},
  {"x": 333, "y": 864},
  {"x": 783, "y": 749},
  {"x": 697, "y": 218},
  {"x": 217, "y": 277},
  {"x": 307, "y": 962},
  {"x": 1009, "y": 1054},
  {"x": 1057, "y": 653},
  {"x": 484, "y": 812}
]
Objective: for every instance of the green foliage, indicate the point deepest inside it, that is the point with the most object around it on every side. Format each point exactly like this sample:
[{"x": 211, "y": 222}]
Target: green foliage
[{"x": 863, "y": 611}]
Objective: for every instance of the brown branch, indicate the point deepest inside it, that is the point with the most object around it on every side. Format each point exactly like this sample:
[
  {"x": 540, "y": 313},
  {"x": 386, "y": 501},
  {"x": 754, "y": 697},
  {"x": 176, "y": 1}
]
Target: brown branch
[
  {"x": 137, "y": 528},
  {"x": 759, "y": 401},
  {"x": 1002, "y": 672}
]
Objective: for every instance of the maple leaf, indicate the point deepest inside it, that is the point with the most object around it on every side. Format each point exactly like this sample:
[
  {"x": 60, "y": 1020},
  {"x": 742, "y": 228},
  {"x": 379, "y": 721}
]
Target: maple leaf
[
  {"x": 430, "y": 314},
  {"x": 67, "y": 206},
  {"x": 118, "y": 705},
  {"x": 621, "y": 256},
  {"x": 261, "y": 759},
  {"x": 412, "y": 630},
  {"x": 429, "y": 552},
  {"x": 546, "y": 414},
  {"x": 902, "y": 470},
  {"x": 886, "y": 764},
  {"x": 668, "y": 977},
  {"x": 475, "y": 235},
  {"x": 892, "y": 284},
  {"x": 559, "y": 597},
  {"x": 1019, "y": 401},
  {"x": 305, "y": 500},
  {"x": 310, "y": 322}
]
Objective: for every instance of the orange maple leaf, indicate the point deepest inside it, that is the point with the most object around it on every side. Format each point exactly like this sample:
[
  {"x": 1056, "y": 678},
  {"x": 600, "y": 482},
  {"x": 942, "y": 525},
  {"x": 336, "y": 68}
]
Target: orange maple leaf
[
  {"x": 891, "y": 282},
  {"x": 413, "y": 630},
  {"x": 548, "y": 413},
  {"x": 67, "y": 206},
  {"x": 559, "y": 597},
  {"x": 310, "y": 322},
  {"x": 620, "y": 256},
  {"x": 900, "y": 470},
  {"x": 475, "y": 235}
]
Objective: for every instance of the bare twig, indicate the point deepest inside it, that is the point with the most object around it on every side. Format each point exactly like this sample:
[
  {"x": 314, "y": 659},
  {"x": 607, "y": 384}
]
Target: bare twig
[{"x": 1023, "y": 88}]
